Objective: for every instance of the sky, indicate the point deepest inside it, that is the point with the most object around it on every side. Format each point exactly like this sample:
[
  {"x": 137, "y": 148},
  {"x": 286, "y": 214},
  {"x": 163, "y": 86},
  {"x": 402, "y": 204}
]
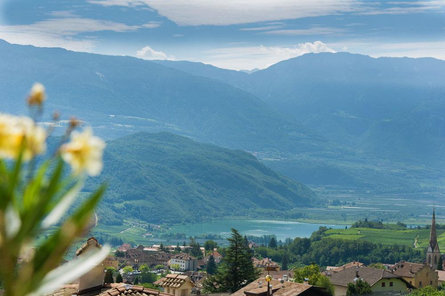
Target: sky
[{"x": 232, "y": 34}]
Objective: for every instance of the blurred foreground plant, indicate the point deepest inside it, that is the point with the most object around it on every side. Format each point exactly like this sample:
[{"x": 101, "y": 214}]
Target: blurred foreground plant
[{"x": 34, "y": 199}]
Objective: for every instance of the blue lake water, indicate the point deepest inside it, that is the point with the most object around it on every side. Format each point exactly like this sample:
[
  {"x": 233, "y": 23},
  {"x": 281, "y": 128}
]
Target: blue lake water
[{"x": 282, "y": 229}]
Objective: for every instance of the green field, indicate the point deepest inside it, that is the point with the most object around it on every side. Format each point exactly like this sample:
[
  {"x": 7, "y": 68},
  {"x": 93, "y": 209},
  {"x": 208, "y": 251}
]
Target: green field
[{"x": 389, "y": 236}]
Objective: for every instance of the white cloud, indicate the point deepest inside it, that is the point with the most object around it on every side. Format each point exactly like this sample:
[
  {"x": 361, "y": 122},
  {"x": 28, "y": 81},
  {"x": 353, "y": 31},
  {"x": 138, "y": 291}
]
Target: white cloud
[
  {"x": 148, "y": 53},
  {"x": 310, "y": 31},
  {"x": 263, "y": 28},
  {"x": 228, "y": 12},
  {"x": 259, "y": 57},
  {"x": 62, "y": 32}
]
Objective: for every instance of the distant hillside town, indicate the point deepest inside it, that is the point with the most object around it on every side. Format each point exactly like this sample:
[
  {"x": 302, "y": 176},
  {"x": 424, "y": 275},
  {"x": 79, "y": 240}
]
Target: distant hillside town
[{"x": 239, "y": 270}]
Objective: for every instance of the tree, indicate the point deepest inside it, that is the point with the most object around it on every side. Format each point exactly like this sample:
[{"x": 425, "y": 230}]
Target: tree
[
  {"x": 360, "y": 287},
  {"x": 236, "y": 270},
  {"x": 175, "y": 267},
  {"x": 210, "y": 245},
  {"x": 148, "y": 277},
  {"x": 284, "y": 261},
  {"x": 427, "y": 291},
  {"x": 119, "y": 278},
  {"x": 211, "y": 265},
  {"x": 109, "y": 276},
  {"x": 136, "y": 281},
  {"x": 273, "y": 243},
  {"x": 178, "y": 248},
  {"x": 196, "y": 249},
  {"x": 127, "y": 269},
  {"x": 440, "y": 263},
  {"x": 313, "y": 276}
]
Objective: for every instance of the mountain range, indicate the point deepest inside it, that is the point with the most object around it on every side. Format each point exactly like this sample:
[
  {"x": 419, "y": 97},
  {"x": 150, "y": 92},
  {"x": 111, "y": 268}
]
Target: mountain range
[{"x": 329, "y": 120}]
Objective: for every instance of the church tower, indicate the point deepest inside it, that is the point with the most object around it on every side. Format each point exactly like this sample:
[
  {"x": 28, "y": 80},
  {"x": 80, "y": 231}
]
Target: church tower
[{"x": 433, "y": 252}]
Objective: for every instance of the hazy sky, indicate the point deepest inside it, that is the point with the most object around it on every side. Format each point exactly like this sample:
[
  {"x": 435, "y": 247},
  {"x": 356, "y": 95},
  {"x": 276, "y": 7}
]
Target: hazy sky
[{"x": 236, "y": 34}]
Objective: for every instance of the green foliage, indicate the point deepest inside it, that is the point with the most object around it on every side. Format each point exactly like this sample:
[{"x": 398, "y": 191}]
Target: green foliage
[
  {"x": 175, "y": 267},
  {"x": 368, "y": 224},
  {"x": 273, "y": 243},
  {"x": 119, "y": 278},
  {"x": 196, "y": 249},
  {"x": 148, "y": 277},
  {"x": 313, "y": 276},
  {"x": 236, "y": 269},
  {"x": 38, "y": 222},
  {"x": 211, "y": 265},
  {"x": 209, "y": 245},
  {"x": 360, "y": 287},
  {"x": 152, "y": 177},
  {"x": 427, "y": 291},
  {"x": 284, "y": 261},
  {"x": 323, "y": 250},
  {"x": 127, "y": 269},
  {"x": 109, "y": 276},
  {"x": 440, "y": 263}
]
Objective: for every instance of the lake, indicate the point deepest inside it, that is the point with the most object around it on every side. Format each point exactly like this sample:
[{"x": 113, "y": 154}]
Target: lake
[{"x": 282, "y": 229}]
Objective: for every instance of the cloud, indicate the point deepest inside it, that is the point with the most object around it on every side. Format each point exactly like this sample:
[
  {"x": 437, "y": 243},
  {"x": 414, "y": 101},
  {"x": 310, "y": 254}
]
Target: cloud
[
  {"x": 310, "y": 31},
  {"x": 263, "y": 28},
  {"x": 62, "y": 32},
  {"x": 148, "y": 53},
  {"x": 259, "y": 57},
  {"x": 229, "y": 12}
]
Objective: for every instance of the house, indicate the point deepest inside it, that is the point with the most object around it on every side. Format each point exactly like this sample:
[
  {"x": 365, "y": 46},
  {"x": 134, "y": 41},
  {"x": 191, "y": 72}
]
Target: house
[
  {"x": 381, "y": 281},
  {"x": 441, "y": 277},
  {"x": 93, "y": 279},
  {"x": 216, "y": 255},
  {"x": 176, "y": 284},
  {"x": 184, "y": 261},
  {"x": 265, "y": 264},
  {"x": 279, "y": 288},
  {"x": 285, "y": 275},
  {"x": 118, "y": 289},
  {"x": 417, "y": 274},
  {"x": 92, "y": 283},
  {"x": 347, "y": 265}
]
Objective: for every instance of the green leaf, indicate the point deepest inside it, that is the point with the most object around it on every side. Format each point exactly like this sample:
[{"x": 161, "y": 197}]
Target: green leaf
[
  {"x": 71, "y": 271},
  {"x": 62, "y": 206}
]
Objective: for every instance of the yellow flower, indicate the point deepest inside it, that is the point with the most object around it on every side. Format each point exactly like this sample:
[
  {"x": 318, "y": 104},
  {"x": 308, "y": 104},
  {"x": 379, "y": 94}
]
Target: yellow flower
[
  {"x": 84, "y": 152},
  {"x": 17, "y": 131},
  {"x": 37, "y": 95}
]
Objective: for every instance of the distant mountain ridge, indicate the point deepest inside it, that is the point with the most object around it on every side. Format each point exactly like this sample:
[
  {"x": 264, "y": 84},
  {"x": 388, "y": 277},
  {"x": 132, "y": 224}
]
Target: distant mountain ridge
[
  {"x": 373, "y": 105},
  {"x": 123, "y": 95},
  {"x": 328, "y": 119},
  {"x": 168, "y": 178}
]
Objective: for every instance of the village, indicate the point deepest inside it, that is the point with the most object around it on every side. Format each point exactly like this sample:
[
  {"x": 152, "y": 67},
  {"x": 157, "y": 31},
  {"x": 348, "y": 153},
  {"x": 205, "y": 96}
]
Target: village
[{"x": 182, "y": 271}]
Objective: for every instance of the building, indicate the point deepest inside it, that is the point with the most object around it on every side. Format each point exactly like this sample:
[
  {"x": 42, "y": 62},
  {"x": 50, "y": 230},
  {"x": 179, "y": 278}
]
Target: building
[
  {"x": 441, "y": 277},
  {"x": 279, "y": 288},
  {"x": 92, "y": 283},
  {"x": 417, "y": 274},
  {"x": 381, "y": 281},
  {"x": 347, "y": 265},
  {"x": 93, "y": 279},
  {"x": 266, "y": 264},
  {"x": 285, "y": 275},
  {"x": 184, "y": 261},
  {"x": 176, "y": 284},
  {"x": 433, "y": 252},
  {"x": 216, "y": 255}
]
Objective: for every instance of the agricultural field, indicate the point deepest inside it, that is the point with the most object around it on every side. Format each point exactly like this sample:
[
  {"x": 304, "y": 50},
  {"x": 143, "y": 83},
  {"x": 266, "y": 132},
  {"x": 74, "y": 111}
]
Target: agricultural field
[{"x": 405, "y": 237}]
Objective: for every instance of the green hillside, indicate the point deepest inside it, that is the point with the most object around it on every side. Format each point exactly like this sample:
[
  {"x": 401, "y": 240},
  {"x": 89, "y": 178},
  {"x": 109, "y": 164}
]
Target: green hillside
[
  {"x": 389, "y": 236},
  {"x": 167, "y": 178}
]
